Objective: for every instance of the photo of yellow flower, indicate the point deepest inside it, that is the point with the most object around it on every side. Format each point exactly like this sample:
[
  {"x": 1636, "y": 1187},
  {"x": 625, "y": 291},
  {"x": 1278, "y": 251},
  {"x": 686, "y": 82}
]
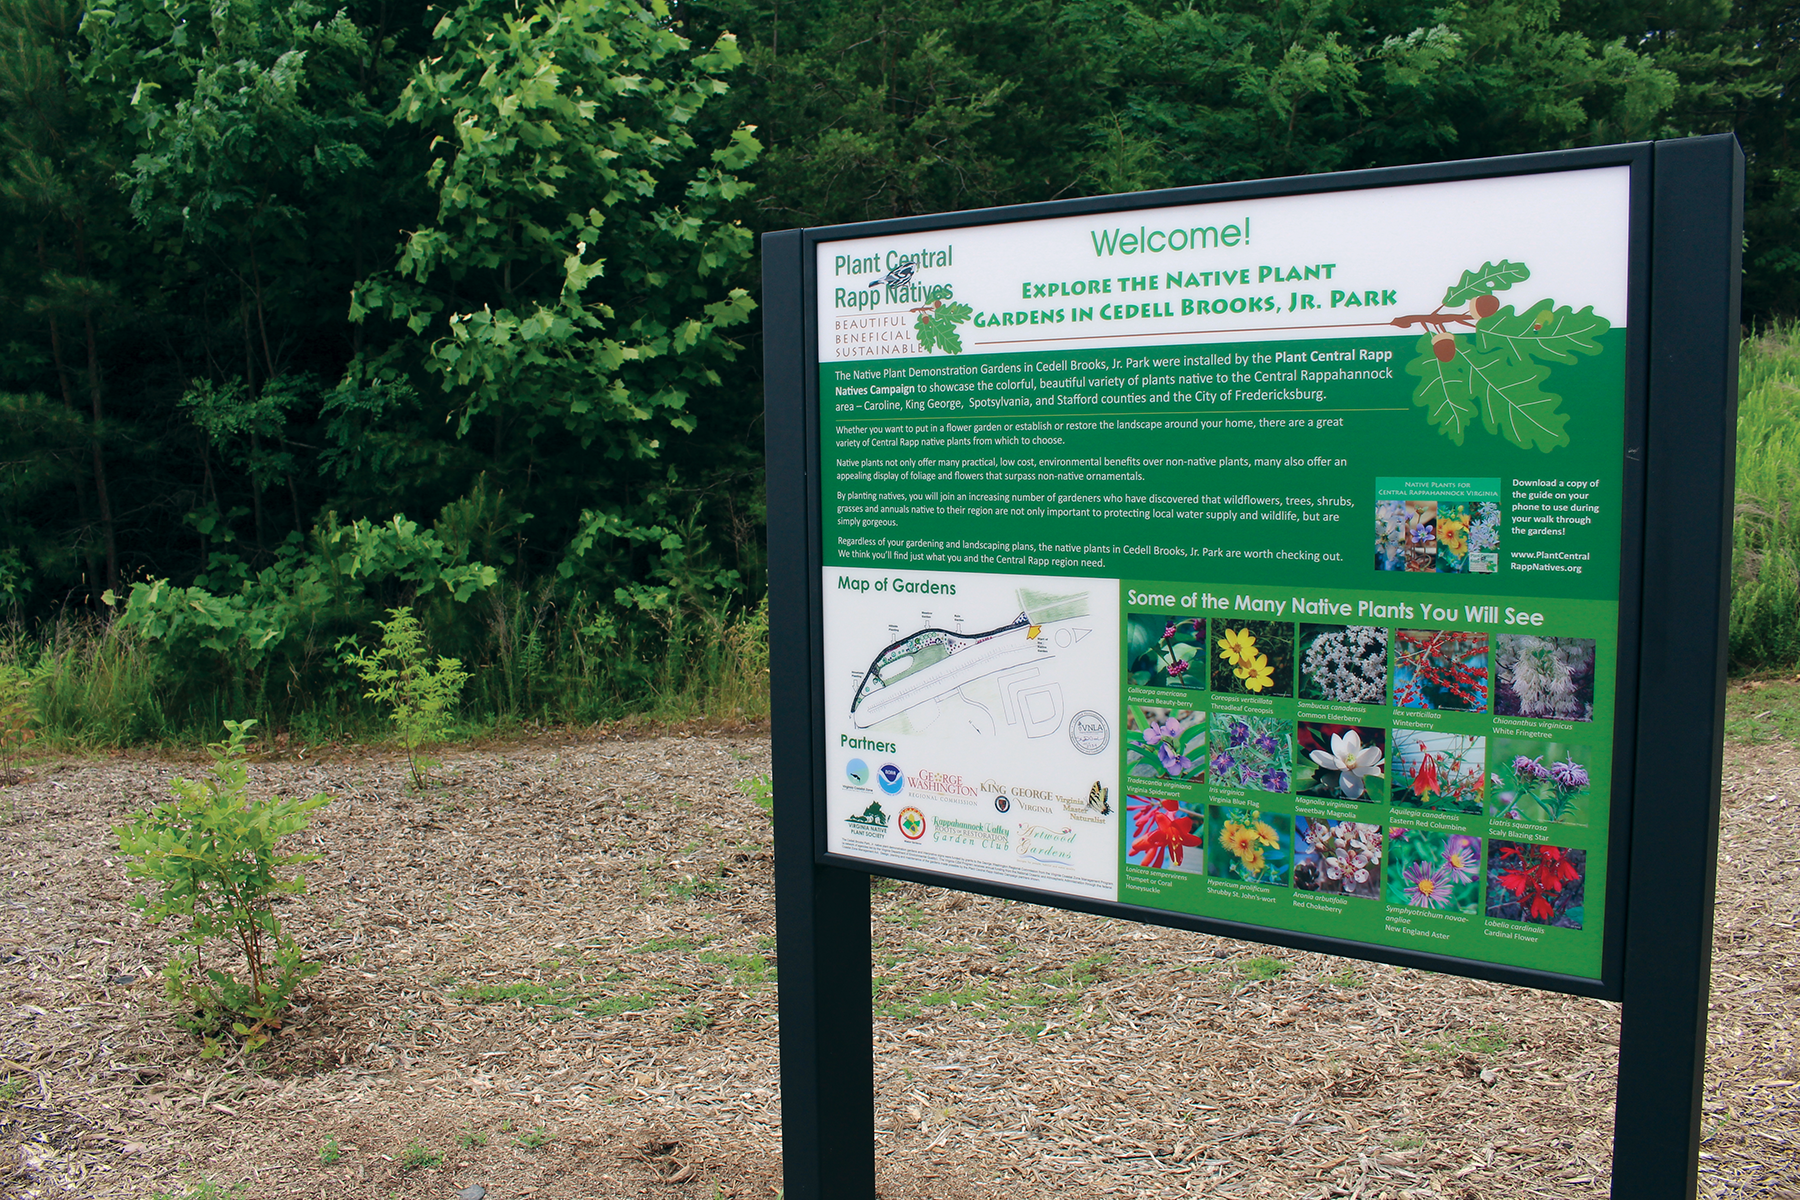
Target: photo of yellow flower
[
  {"x": 1249, "y": 845},
  {"x": 1253, "y": 658}
]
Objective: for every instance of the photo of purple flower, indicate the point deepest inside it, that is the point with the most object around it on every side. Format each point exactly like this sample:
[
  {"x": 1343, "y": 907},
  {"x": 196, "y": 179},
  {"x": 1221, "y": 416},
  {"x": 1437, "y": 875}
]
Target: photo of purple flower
[{"x": 1252, "y": 752}]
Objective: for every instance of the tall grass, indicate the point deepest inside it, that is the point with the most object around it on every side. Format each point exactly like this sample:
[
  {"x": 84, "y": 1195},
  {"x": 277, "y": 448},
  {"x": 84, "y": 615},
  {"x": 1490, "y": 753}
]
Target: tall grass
[
  {"x": 96, "y": 685},
  {"x": 1765, "y": 593}
]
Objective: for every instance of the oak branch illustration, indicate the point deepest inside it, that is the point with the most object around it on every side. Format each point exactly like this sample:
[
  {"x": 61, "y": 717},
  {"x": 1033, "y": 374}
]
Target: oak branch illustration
[{"x": 1490, "y": 369}]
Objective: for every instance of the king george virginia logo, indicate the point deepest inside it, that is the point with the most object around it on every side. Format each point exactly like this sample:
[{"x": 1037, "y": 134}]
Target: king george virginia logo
[{"x": 890, "y": 779}]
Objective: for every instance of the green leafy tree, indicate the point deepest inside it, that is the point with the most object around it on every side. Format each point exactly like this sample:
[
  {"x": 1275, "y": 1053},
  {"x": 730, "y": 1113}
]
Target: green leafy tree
[
  {"x": 418, "y": 693},
  {"x": 212, "y": 853}
]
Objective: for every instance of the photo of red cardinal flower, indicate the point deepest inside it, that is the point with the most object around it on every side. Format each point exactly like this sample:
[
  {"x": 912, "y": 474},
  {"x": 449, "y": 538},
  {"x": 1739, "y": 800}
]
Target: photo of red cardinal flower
[{"x": 1541, "y": 885}]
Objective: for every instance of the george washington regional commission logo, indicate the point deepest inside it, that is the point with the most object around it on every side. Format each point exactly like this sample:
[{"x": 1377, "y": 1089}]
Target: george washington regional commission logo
[{"x": 912, "y": 824}]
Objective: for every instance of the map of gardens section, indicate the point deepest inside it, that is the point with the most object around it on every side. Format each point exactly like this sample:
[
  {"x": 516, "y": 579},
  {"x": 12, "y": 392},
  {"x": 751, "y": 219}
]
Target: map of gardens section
[{"x": 1257, "y": 560}]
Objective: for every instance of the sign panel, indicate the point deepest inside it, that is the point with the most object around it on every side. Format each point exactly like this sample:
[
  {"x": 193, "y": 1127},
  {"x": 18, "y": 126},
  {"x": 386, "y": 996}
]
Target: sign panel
[{"x": 1256, "y": 560}]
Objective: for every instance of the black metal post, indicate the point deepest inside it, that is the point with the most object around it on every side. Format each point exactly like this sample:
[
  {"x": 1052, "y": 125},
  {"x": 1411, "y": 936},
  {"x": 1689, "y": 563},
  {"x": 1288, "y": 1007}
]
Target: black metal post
[
  {"x": 1697, "y": 230},
  {"x": 822, "y": 913}
]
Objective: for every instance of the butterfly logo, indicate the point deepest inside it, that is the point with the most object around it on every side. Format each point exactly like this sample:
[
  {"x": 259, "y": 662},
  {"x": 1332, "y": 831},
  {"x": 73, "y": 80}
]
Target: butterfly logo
[
  {"x": 900, "y": 276},
  {"x": 1097, "y": 799}
]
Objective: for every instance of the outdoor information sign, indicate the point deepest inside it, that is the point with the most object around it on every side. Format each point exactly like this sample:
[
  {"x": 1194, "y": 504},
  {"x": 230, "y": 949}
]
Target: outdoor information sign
[{"x": 1267, "y": 559}]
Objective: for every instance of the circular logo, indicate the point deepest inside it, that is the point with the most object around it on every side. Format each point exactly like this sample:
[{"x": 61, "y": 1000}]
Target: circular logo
[
  {"x": 1002, "y": 804},
  {"x": 858, "y": 771},
  {"x": 1089, "y": 731},
  {"x": 890, "y": 779},
  {"x": 912, "y": 824}
]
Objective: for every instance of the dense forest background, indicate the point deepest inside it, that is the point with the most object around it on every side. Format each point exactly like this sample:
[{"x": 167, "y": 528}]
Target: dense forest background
[{"x": 313, "y": 310}]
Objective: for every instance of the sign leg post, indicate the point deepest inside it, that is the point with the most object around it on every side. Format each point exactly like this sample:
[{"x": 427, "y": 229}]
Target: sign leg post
[
  {"x": 827, "y": 1057},
  {"x": 822, "y": 913},
  {"x": 1689, "y": 465}
]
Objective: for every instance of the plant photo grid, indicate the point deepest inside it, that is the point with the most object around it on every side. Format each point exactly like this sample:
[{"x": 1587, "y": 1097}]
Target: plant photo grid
[
  {"x": 1539, "y": 885},
  {"x": 1166, "y": 834},
  {"x": 1252, "y": 752},
  {"x": 1346, "y": 762},
  {"x": 1543, "y": 781},
  {"x": 1252, "y": 658},
  {"x": 1248, "y": 845},
  {"x": 1433, "y": 870},
  {"x": 1444, "y": 669},
  {"x": 1545, "y": 677},
  {"x": 1441, "y": 772},
  {"x": 1165, "y": 743},
  {"x": 1165, "y": 651},
  {"x": 1346, "y": 664},
  {"x": 1340, "y": 857}
]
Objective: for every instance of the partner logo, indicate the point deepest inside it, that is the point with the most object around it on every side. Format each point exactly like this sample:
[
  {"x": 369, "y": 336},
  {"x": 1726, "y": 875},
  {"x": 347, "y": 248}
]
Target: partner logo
[
  {"x": 912, "y": 824},
  {"x": 1041, "y": 844},
  {"x": 871, "y": 822},
  {"x": 858, "y": 771},
  {"x": 1089, "y": 732},
  {"x": 939, "y": 783},
  {"x": 890, "y": 779},
  {"x": 1002, "y": 804},
  {"x": 982, "y": 835}
]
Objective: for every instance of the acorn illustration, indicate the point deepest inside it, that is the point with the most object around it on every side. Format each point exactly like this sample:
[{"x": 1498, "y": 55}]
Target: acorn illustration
[
  {"x": 1444, "y": 346},
  {"x": 1485, "y": 306}
]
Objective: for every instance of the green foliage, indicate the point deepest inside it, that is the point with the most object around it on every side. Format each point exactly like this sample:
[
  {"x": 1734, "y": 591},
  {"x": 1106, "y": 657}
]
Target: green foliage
[
  {"x": 1765, "y": 598},
  {"x": 937, "y": 326},
  {"x": 1490, "y": 278},
  {"x": 212, "y": 854},
  {"x": 417, "y": 1155},
  {"x": 418, "y": 695},
  {"x": 17, "y": 714},
  {"x": 759, "y": 789},
  {"x": 330, "y": 1153}
]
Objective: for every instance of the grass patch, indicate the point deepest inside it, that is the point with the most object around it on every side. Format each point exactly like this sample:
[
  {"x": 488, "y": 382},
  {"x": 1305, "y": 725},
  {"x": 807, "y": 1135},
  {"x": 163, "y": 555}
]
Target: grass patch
[
  {"x": 1763, "y": 710},
  {"x": 1261, "y": 969},
  {"x": 741, "y": 970}
]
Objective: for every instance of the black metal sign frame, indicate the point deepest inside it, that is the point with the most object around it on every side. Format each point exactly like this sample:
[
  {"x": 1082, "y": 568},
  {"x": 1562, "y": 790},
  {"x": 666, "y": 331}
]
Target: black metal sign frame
[{"x": 1681, "y": 411}]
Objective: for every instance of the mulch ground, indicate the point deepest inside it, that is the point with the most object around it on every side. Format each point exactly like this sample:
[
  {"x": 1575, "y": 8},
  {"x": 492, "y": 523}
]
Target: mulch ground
[{"x": 551, "y": 977}]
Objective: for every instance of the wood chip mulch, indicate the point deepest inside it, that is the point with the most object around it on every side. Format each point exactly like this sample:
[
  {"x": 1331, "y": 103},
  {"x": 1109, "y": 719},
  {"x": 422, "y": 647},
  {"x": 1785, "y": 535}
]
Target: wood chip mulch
[{"x": 551, "y": 976}]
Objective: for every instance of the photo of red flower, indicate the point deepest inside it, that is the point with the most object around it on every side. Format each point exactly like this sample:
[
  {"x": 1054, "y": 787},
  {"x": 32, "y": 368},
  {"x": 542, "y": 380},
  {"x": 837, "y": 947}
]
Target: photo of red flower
[{"x": 1540, "y": 885}]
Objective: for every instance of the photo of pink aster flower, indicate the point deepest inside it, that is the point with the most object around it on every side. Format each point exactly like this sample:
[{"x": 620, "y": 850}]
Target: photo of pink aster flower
[
  {"x": 1426, "y": 886},
  {"x": 1437, "y": 871}
]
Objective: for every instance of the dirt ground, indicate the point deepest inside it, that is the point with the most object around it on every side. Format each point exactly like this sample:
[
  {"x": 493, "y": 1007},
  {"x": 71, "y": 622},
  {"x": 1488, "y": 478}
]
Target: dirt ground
[{"x": 551, "y": 977}]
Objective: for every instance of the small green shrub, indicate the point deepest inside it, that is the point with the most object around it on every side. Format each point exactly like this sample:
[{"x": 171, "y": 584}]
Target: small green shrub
[
  {"x": 419, "y": 696},
  {"x": 211, "y": 851},
  {"x": 417, "y": 1155},
  {"x": 16, "y": 715}
]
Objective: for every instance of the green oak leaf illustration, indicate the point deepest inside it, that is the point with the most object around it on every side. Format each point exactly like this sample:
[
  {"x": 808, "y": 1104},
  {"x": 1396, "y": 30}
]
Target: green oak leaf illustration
[
  {"x": 937, "y": 327},
  {"x": 1443, "y": 391},
  {"x": 1513, "y": 404},
  {"x": 1492, "y": 277},
  {"x": 1542, "y": 330}
]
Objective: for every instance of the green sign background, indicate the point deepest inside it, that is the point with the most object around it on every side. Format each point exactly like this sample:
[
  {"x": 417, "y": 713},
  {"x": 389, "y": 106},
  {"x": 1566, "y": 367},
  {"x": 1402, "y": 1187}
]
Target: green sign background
[{"x": 1263, "y": 472}]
